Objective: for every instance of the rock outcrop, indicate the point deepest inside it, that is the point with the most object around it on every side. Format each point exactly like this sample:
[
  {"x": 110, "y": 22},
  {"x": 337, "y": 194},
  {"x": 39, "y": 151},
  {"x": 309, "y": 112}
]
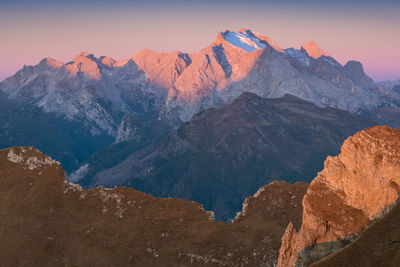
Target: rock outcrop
[
  {"x": 355, "y": 71},
  {"x": 47, "y": 221},
  {"x": 355, "y": 187}
]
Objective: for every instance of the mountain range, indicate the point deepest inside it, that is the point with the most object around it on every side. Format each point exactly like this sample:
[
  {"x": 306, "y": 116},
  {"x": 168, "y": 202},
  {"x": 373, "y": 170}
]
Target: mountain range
[
  {"x": 99, "y": 91},
  {"x": 211, "y": 126}
]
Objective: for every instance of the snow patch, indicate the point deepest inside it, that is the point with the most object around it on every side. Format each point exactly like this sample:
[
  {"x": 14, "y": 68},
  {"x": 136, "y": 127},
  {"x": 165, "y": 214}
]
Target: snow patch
[{"x": 244, "y": 40}]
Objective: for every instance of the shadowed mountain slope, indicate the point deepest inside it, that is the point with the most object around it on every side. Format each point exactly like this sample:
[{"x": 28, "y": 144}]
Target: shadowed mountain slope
[
  {"x": 65, "y": 140},
  {"x": 225, "y": 154}
]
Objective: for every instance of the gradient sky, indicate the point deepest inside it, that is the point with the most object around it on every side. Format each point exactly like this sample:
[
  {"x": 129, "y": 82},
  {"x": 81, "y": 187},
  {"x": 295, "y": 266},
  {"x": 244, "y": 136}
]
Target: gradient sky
[{"x": 368, "y": 31}]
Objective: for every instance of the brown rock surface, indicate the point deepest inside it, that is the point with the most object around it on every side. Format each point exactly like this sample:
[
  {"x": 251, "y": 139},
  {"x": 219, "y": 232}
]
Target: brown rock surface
[
  {"x": 354, "y": 188},
  {"x": 47, "y": 221},
  {"x": 378, "y": 245}
]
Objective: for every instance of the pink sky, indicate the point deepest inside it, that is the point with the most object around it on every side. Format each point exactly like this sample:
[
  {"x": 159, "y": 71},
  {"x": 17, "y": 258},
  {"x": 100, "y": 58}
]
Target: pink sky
[{"x": 26, "y": 37}]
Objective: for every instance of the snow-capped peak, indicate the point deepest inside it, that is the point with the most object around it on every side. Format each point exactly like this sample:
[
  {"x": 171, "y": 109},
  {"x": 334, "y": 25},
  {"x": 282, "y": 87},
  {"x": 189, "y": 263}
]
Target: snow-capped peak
[{"x": 244, "y": 39}]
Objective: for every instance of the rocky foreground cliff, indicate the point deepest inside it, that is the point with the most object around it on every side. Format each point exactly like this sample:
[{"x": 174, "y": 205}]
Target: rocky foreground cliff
[
  {"x": 356, "y": 187},
  {"x": 47, "y": 221}
]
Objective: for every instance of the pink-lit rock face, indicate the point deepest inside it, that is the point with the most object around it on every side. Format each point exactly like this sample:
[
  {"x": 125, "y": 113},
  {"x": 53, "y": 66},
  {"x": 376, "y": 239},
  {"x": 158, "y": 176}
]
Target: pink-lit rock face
[
  {"x": 84, "y": 63},
  {"x": 313, "y": 50},
  {"x": 51, "y": 63},
  {"x": 162, "y": 69},
  {"x": 109, "y": 62},
  {"x": 239, "y": 62},
  {"x": 211, "y": 71},
  {"x": 355, "y": 187},
  {"x": 270, "y": 42}
]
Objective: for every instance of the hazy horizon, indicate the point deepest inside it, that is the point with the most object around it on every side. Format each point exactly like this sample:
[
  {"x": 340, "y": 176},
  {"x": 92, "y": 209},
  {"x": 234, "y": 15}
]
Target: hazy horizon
[{"x": 366, "y": 31}]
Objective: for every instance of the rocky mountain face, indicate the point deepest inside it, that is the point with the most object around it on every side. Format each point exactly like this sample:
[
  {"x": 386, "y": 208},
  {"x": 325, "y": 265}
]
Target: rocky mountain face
[
  {"x": 48, "y": 221},
  {"x": 355, "y": 71},
  {"x": 225, "y": 154},
  {"x": 389, "y": 84},
  {"x": 129, "y": 130},
  {"x": 95, "y": 92},
  {"x": 162, "y": 69},
  {"x": 378, "y": 245},
  {"x": 313, "y": 50},
  {"x": 396, "y": 88},
  {"x": 357, "y": 186}
]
